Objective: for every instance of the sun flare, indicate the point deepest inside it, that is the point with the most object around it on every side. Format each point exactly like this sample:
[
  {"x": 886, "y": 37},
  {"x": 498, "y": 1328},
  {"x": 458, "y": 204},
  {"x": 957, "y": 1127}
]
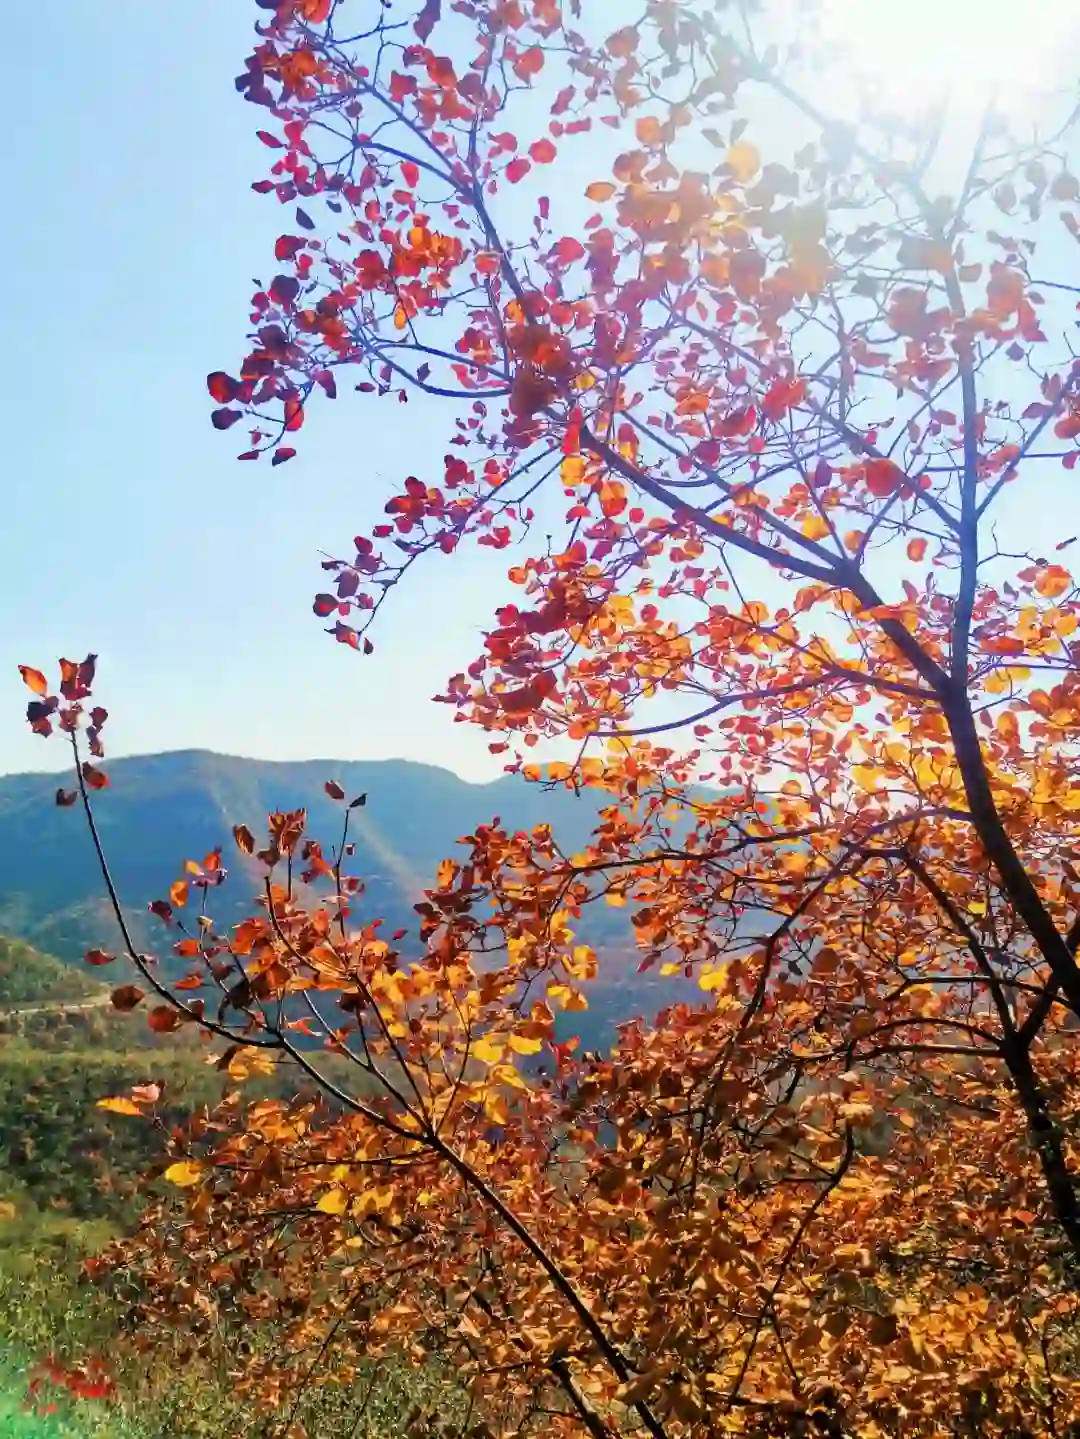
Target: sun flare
[{"x": 920, "y": 53}]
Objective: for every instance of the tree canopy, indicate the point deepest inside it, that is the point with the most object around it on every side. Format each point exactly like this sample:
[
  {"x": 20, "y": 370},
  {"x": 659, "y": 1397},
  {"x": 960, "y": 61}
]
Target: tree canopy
[{"x": 756, "y": 396}]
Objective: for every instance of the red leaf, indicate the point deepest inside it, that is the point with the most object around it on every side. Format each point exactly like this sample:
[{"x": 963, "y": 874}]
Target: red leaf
[
  {"x": 76, "y": 680},
  {"x": 282, "y": 454},
  {"x": 222, "y": 387},
  {"x": 518, "y": 169},
  {"x": 283, "y": 291},
  {"x": 223, "y": 419},
  {"x": 333, "y": 789},
  {"x": 411, "y": 173},
  {"x": 883, "y": 477},
  {"x": 95, "y": 778},
  {"x": 271, "y": 141},
  {"x": 287, "y": 246},
  {"x": 34, "y": 680},
  {"x": 425, "y": 22},
  {"x": 531, "y": 62},
  {"x": 324, "y": 605},
  {"x": 163, "y": 1019},
  {"x": 567, "y": 250},
  {"x": 99, "y": 957},
  {"x": 37, "y": 714},
  {"x": 162, "y": 910},
  {"x": 65, "y": 798},
  {"x": 543, "y": 152},
  {"x": 294, "y": 414}
]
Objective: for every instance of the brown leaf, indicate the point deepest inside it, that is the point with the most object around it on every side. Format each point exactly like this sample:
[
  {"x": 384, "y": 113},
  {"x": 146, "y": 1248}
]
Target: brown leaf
[{"x": 127, "y": 997}]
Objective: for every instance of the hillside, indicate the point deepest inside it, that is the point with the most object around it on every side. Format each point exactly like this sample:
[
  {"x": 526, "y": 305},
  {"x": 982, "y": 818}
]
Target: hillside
[
  {"x": 162, "y": 809},
  {"x": 28, "y": 977}
]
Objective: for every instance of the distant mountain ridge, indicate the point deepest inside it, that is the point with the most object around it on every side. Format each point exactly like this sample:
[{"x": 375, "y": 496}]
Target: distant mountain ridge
[
  {"x": 164, "y": 808},
  {"x": 161, "y": 809}
]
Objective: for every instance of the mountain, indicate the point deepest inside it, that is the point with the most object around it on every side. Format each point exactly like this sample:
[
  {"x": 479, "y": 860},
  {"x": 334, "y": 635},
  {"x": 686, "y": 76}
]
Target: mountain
[
  {"x": 30, "y": 978},
  {"x": 162, "y": 809}
]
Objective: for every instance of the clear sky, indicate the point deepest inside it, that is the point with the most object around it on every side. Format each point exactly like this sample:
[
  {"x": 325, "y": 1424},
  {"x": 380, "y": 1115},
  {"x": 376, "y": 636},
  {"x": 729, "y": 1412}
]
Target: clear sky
[
  {"x": 129, "y": 245},
  {"x": 128, "y": 248}
]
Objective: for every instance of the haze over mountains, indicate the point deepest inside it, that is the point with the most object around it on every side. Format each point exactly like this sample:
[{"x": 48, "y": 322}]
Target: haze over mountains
[{"x": 162, "y": 809}]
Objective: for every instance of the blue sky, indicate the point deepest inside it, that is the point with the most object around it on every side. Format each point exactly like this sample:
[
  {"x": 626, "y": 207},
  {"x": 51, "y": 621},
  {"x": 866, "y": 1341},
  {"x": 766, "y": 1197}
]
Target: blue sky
[{"x": 130, "y": 240}]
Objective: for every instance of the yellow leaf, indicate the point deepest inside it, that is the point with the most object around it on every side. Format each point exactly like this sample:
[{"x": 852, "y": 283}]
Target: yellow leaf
[
  {"x": 486, "y": 1052},
  {"x": 572, "y": 470},
  {"x": 120, "y": 1106},
  {"x": 7, "y": 1209},
  {"x": 495, "y": 1108},
  {"x": 814, "y": 527},
  {"x": 186, "y": 1173},
  {"x": 334, "y": 1201},
  {"x": 744, "y": 161},
  {"x": 712, "y": 978},
  {"x": 521, "y": 1044}
]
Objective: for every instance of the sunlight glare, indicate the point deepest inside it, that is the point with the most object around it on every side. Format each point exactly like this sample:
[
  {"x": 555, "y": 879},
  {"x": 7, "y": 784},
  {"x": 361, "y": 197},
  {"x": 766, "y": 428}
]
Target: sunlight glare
[{"x": 916, "y": 54}]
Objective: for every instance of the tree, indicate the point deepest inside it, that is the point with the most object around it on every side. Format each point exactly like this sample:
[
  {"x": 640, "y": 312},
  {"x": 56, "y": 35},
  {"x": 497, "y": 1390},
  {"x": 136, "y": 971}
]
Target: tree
[{"x": 748, "y": 425}]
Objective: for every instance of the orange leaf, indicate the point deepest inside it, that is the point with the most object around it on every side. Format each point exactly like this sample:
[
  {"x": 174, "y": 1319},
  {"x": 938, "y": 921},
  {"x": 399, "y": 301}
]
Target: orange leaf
[
  {"x": 34, "y": 680},
  {"x": 1053, "y": 581},
  {"x": 178, "y": 893},
  {"x": 600, "y": 190},
  {"x": 916, "y": 549}
]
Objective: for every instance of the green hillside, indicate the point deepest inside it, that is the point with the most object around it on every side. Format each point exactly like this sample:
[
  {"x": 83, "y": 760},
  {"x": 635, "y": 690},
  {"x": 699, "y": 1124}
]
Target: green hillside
[{"x": 28, "y": 977}]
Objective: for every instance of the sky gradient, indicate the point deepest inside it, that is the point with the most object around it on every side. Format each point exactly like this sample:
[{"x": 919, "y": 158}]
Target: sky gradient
[{"x": 130, "y": 243}]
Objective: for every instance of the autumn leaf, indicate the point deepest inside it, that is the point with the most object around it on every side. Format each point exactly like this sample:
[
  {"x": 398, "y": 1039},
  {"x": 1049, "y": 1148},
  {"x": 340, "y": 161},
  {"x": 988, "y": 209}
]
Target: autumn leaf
[
  {"x": 486, "y": 1051},
  {"x": 120, "y": 1106},
  {"x": 743, "y": 160},
  {"x": 883, "y": 478},
  {"x": 127, "y": 997},
  {"x": 34, "y": 680},
  {"x": 186, "y": 1173},
  {"x": 95, "y": 778}
]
